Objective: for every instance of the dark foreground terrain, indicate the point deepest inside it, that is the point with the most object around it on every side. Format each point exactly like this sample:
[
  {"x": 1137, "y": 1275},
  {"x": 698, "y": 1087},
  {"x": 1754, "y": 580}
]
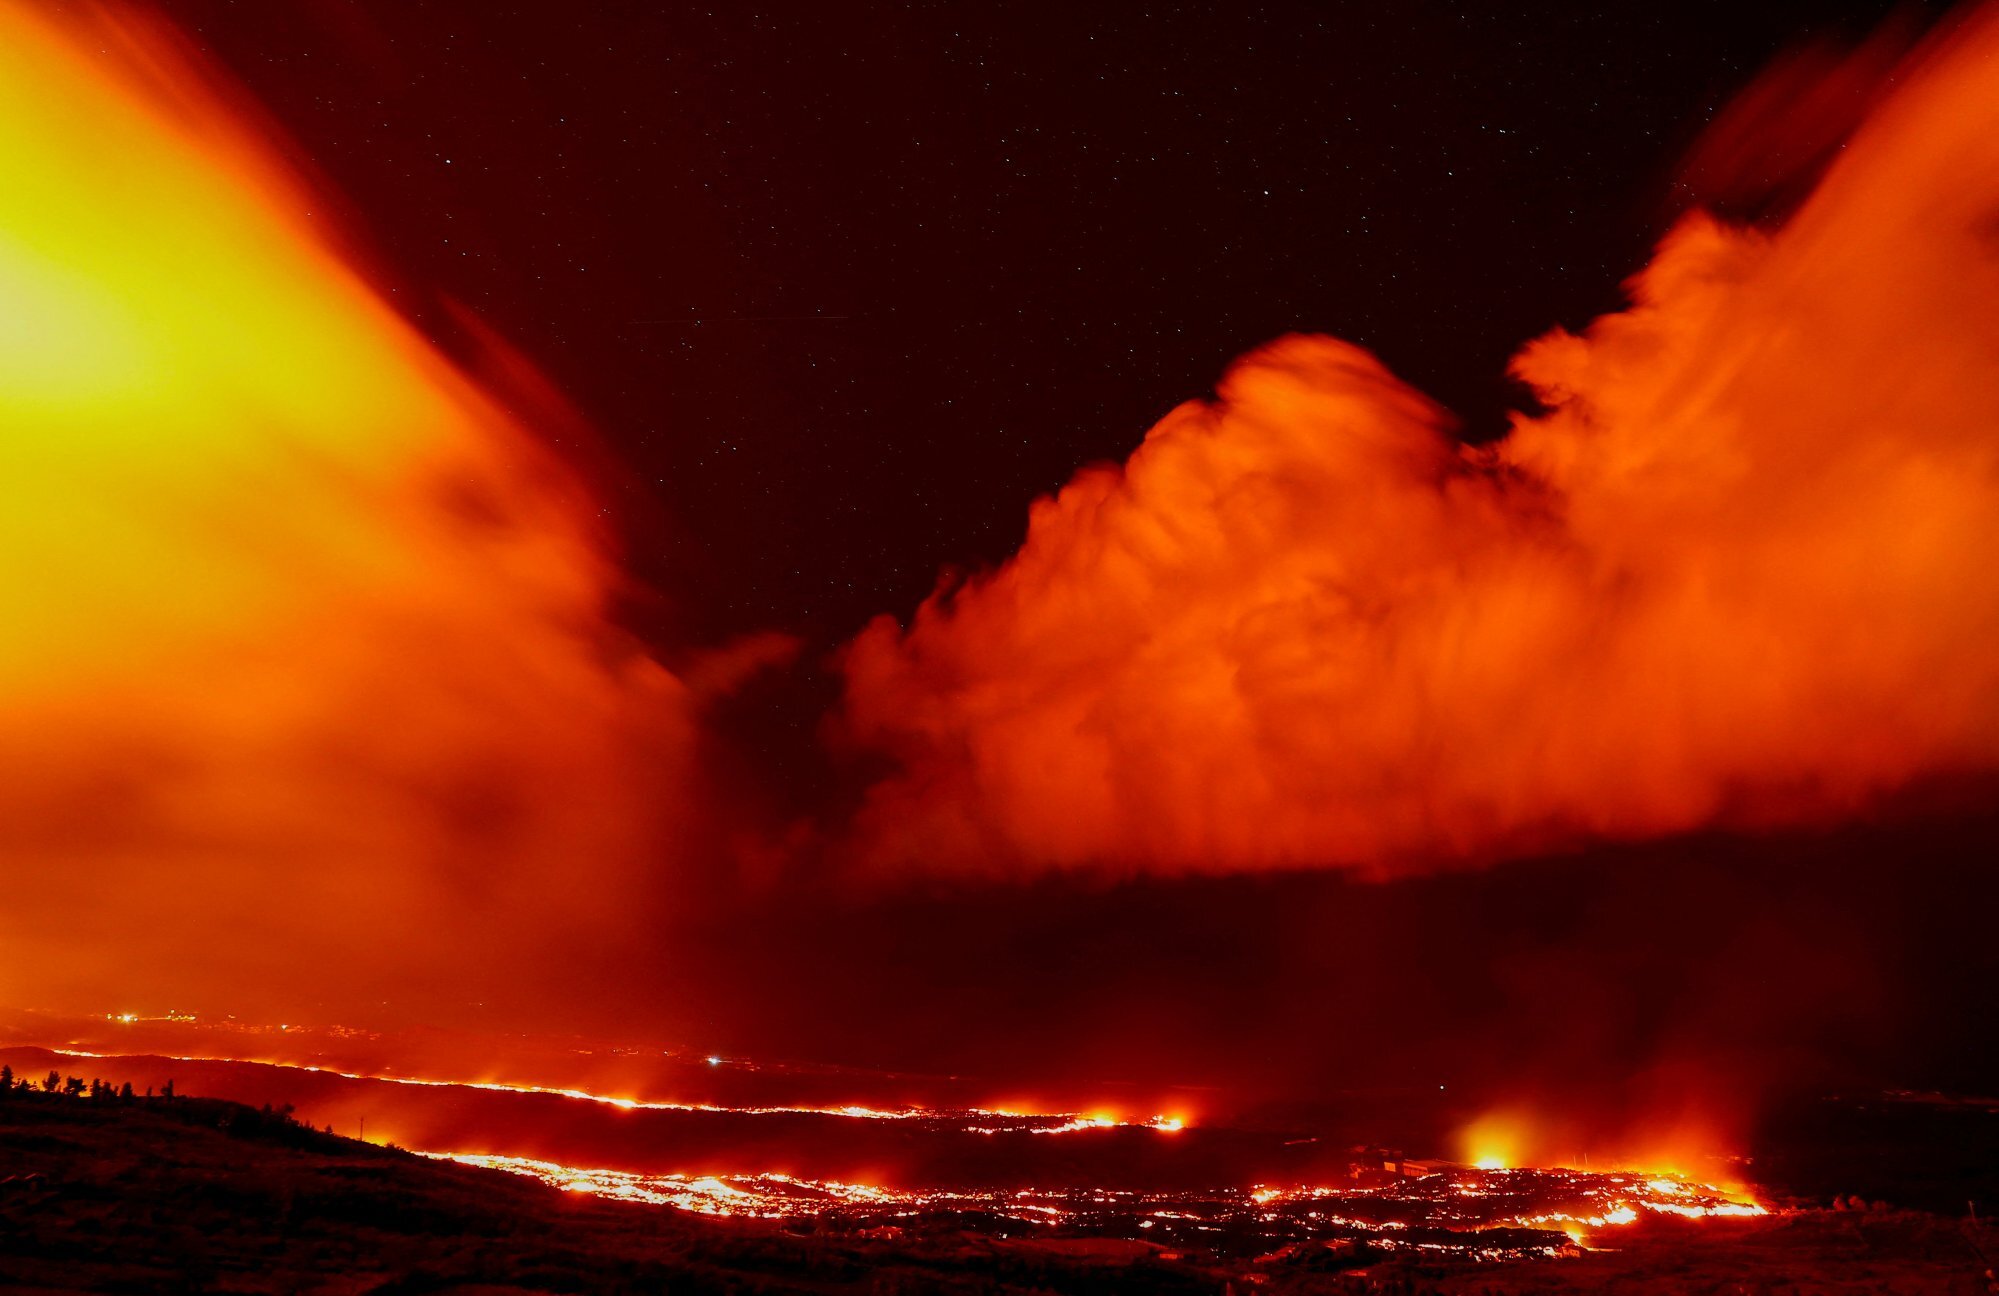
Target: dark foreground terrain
[{"x": 184, "y": 1194}]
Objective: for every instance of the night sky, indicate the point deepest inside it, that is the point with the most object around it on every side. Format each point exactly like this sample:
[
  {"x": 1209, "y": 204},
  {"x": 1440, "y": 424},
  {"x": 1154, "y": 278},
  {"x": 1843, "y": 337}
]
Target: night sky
[{"x": 844, "y": 287}]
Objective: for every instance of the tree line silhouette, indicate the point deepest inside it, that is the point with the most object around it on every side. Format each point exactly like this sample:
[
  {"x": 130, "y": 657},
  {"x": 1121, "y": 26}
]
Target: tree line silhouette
[
  {"x": 75, "y": 1087},
  {"x": 232, "y": 1117}
]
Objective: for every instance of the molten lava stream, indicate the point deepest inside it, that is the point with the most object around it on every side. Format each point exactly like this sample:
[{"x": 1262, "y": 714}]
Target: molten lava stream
[{"x": 1487, "y": 1214}]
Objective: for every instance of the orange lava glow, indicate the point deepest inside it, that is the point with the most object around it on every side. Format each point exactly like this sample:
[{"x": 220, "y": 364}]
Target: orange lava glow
[
  {"x": 1492, "y": 1143},
  {"x": 1687, "y": 1148},
  {"x": 1737, "y": 573}
]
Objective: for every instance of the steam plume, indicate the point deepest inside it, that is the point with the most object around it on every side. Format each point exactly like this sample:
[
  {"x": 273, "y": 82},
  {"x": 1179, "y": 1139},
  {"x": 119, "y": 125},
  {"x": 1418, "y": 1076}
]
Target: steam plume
[
  {"x": 305, "y": 667},
  {"x": 1739, "y": 572}
]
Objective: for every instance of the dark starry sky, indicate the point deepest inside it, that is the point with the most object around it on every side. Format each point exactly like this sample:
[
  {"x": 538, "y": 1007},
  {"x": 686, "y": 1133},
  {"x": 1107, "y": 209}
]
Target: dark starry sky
[{"x": 844, "y": 286}]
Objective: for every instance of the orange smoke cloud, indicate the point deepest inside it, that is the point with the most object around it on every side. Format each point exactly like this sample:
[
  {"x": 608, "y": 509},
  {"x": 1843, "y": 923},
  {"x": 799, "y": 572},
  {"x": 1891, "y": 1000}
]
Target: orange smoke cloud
[
  {"x": 1739, "y": 572},
  {"x": 305, "y": 666}
]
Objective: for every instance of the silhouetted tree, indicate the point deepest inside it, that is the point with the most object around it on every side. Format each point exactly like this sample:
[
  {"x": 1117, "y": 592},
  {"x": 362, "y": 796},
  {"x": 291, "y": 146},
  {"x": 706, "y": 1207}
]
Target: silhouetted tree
[
  {"x": 6, "y": 1081},
  {"x": 125, "y": 1094},
  {"x": 53, "y": 1083},
  {"x": 73, "y": 1086},
  {"x": 167, "y": 1090}
]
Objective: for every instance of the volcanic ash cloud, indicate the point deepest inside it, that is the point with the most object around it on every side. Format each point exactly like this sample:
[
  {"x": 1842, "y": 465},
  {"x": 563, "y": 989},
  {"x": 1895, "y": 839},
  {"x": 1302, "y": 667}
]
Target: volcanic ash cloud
[
  {"x": 1741, "y": 570},
  {"x": 306, "y": 676}
]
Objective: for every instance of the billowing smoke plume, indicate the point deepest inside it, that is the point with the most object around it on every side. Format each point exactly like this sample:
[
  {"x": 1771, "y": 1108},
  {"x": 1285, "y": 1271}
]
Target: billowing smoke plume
[
  {"x": 1740, "y": 571},
  {"x": 305, "y": 670}
]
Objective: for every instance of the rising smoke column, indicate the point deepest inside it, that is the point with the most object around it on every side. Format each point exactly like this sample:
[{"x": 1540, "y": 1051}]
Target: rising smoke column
[
  {"x": 1741, "y": 571},
  {"x": 307, "y": 689}
]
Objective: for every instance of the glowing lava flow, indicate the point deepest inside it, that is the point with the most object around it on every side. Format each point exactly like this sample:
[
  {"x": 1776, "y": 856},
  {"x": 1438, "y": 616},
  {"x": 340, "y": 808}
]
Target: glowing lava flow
[
  {"x": 1013, "y": 1122},
  {"x": 1561, "y": 1199},
  {"x": 1478, "y": 1213},
  {"x": 764, "y": 1196},
  {"x": 1073, "y": 1124}
]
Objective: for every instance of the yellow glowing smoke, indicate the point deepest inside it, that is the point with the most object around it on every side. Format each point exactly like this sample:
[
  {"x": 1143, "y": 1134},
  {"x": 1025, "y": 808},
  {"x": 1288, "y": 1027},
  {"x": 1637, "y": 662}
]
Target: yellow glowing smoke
[{"x": 302, "y": 652}]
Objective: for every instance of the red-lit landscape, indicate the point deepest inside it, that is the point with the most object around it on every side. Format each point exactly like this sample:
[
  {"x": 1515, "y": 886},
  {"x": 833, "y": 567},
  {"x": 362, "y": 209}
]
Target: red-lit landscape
[{"x": 473, "y": 770}]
